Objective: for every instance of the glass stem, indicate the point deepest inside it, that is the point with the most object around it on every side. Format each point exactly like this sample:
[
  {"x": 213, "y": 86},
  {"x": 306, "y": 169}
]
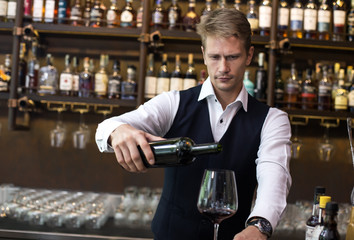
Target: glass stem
[{"x": 216, "y": 229}]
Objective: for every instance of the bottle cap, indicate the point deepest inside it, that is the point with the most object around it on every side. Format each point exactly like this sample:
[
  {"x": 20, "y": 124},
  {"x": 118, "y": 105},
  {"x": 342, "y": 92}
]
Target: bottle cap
[
  {"x": 324, "y": 200},
  {"x": 319, "y": 190},
  {"x": 332, "y": 208}
]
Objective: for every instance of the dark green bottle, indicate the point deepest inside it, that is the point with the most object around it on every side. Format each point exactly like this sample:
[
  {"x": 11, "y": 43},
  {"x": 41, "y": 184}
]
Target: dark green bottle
[
  {"x": 177, "y": 151},
  {"x": 330, "y": 231}
]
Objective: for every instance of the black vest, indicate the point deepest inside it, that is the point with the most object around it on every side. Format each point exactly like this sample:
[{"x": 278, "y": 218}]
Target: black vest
[{"x": 177, "y": 216}]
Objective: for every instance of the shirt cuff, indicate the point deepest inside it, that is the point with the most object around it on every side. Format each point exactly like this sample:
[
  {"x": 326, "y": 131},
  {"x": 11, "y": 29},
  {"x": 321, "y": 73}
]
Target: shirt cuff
[{"x": 102, "y": 134}]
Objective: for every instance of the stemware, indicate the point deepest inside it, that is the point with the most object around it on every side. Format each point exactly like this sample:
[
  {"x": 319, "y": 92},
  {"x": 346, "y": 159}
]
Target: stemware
[
  {"x": 82, "y": 135},
  {"x": 326, "y": 147},
  {"x": 218, "y": 196},
  {"x": 58, "y": 134},
  {"x": 296, "y": 143}
]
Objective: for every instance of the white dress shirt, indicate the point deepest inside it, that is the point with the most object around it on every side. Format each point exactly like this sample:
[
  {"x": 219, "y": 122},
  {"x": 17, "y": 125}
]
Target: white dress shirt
[{"x": 156, "y": 117}]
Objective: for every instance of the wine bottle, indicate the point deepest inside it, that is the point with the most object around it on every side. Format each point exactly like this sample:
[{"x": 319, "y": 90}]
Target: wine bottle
[
  {"x": 330, "y": 231},
  {"x": 114, "y": 81},
  {"x": 292, "y": 88},
  {"x": 249, "y": 85},
  {"x": 321, "y": 214},
  {"x": 283, "y": 19},
  {"x": 296, "y": 19},
  {"x": 163, "y": 77},
  {"x": 159, "y": 16},
  {"x": 191, "y": 18},
  {"x": 313, "y": 221},
  {"x": 339, "y": 18},
  {"x": 66, "y": 78},
  {"x": 176, "y": 76},
  {"x": 265, "y": 17},
  {"x": 177, "y": 152},
  {"x": 278, "y": 87},
  {"x": 252, "y": 16},
  {"x": 308, "y": 92},
  {"x": 260, "y": 90},
  {"x": 190, "y": 78},
  {"x": 324, "y": 20},
  {"x": 324, "y": 91},
  {"x": 174, "y": 16},
  {"x": 310, "y": 20}
]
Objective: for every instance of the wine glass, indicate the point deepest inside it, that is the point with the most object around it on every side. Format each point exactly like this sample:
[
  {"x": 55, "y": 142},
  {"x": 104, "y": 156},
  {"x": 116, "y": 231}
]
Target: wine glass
[
  {"x": 218, "y": 196},
  {"x": 57, "y": 135},
  {"x": 296, "y": 143},
  {"x": 82, "y": 135},
  {"x": 326, "y": 147}
]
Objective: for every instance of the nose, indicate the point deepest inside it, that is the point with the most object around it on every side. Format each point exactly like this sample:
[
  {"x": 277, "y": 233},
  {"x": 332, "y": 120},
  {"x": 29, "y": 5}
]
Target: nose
[{"x": 224, "y": 66}]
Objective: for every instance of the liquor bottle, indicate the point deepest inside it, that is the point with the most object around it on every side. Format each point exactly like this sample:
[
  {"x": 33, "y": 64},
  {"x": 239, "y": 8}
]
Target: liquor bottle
[
  {"x": 50, "y": 11},
  {"x": 174, "y": 16},
  {"x": 335, "y": 83},
  {"x": 260, "y": 91},
  {"x": 113, "y": 15},
  {"x": 324, "y": 20},
  {"x": 158, "y": 16},
  {"x": 163, "y": 77},
  {"x": 63, "y": 11},
  {"x": 66, "y": 78},
  {"x": 177, "y": 76},
  {"x": 321, "y": 215},
  {"x": 249, "y": 85},
  {"x": 101, "y": 78},
  {"x": 27, "y": 11},
  {"x": 324, "y": 91},
  {"x": 238, "y": 5},
  {"x": 139, "y": 15},
  {"x": 330, "y": 231},
  {"x": 85, "y": 80},
  {"x": 76, "y": 14},
  {"x": 341, "y": 98},
  {"x": 292, "y": 89},
  {"x": 265, "y": 17},
  {"x": 150, "y": 78},
  {"x": 87, "y": 13},
  {"x": 129, "y": 86},
  {"x": 207, "y": 9},
  {"x": 96, "y": 14},
  {"x": 48, "y": 78},
  {"x": 278, "y": 87},
  {"x": 32, "y": 70},
  {"x": 308, "y": 92},
  {"x": 76, "y": 78},
  {"x": 252, "y": 16},
  {"x": 3, "y": 10},
  {"x": 11, "y": 10},
  {"x": 310, "y": 20},
  {"x": 177, "y": 152},
  {"x": 339, "y": 18},
  {"x": 202, "y": 77},
  {"x": 128, "y": 16},
  {"x": 38, "y": 10},
  {"x": 313, "y": 220},
  {"x": 350, "y": 228},
  {"x": 191, "y": 18},
  {"x": 6, "y": 75},
  {"x": 283, "y": 19},
  {"x": 4, "y": 84},
  {"x": 350, "y": 24},
  {"x": 221, "y": 4},
  {"x": 22, "y": 69},
  {"x": 296, "y": 19},
  {"x": 190, "y": 78},
  {"x": 114, "y": 81}
]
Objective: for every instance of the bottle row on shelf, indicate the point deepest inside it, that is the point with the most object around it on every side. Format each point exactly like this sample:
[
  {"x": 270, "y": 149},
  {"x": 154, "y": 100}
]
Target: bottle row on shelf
[{"x": 327, "y": 20}]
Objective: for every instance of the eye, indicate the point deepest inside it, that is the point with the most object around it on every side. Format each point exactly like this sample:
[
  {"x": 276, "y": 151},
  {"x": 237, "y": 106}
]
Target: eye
[
  {"x": 214, "y": 57},
  {"x": 233, "y": 57}
]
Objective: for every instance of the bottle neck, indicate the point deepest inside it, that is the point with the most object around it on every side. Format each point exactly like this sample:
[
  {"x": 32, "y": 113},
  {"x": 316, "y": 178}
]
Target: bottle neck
[{"x": 205, "y": 148}]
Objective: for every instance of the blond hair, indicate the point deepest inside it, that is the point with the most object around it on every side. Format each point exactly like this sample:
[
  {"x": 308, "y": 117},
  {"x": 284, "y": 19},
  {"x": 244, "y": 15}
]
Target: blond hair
[{"x": 225, "y": 23}]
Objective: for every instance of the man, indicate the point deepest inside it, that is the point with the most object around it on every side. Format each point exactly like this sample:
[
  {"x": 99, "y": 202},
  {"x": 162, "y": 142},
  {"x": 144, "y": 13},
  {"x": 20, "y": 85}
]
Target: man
[{"x": 255, "y": 140}]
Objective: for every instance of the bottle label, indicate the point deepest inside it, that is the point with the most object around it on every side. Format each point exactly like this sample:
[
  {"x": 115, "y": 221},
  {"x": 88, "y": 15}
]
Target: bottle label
[
  {"x": 111, "y": 17},
  {"x": 265, "y": 16},
  {"x": 49, "y": 11},
  {"x": 341, "y": 102},
  {"x": 62, "y": 5},
  {"x": 75, "y": 83},
  {"x": 176, "y": 83},
  {"x": 310, "y": 19},
  {"x": 292, "y": 88},
  {"x": 150, "y": 86},
  {"x": 27, "y": 8},
  {"x": 324, "y": 91},
  {"x": 96, "y": 15},
  {"x": 4, "y": 87},
  {"x": 75, "y": 14},
  {"x": 163, "y": 85},
  {"x": 316, "y": 232},
  {"x": 296, "y": 18},
  {"x": 128, "y": 90},
  {"x": 101, "y": 81},
  {"x": 172, "y": 17},
  {"x": 189, "y": 82},
  {"x": 283, "y": 19},
  {"x": 253, "y": 22},
  {"x": 113, "y": 86},
  {"x": 157, "y": 18},
  {"x": 139, "y": 19},
  {"x": 309, "y": 232},
  {"x": 66, "y": 82},
  {"x": 3, "y": 7},
  {"x": 11, "y": 10},
  {"x": 126, "y": 19},
  {"x": 351, "y": 98},
  {"x": 37, "y": 10},
  {"x": 339, "y": 17}
]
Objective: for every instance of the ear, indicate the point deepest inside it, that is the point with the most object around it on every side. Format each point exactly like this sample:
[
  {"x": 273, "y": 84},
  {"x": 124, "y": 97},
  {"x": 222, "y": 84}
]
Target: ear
[
  {"x": 250, "y": 55},
  {"x": 202, "y": 48}
]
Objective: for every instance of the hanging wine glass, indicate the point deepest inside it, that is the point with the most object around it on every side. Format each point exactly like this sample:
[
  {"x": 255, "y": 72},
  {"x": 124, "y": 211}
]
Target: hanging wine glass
[
  {"x": 296, "y": 143},
  {"x": 326, "y": 147},
  {"x": 82, "y": 135},
  {"x": 58, "y": 134}
]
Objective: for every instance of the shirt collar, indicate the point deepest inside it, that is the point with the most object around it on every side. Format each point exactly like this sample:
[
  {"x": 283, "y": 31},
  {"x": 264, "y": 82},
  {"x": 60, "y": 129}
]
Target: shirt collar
[{"x": 207, "y": 91}]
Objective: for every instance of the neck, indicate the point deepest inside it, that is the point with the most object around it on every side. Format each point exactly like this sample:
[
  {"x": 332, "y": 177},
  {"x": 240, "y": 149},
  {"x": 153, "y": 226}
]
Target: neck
[{"x": 225, "y": 98}]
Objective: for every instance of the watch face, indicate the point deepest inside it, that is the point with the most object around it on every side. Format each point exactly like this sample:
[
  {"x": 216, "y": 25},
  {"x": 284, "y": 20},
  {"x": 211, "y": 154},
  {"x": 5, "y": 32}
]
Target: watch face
[{"x": 267, "y": 228}]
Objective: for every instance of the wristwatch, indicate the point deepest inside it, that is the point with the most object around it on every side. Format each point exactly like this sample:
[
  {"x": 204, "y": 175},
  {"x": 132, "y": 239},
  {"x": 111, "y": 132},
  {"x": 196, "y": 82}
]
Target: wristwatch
[{"x": 262, "y": 224}]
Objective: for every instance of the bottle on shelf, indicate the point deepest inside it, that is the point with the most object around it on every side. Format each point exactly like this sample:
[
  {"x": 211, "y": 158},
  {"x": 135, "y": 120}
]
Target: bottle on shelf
[
  {"x": 313, "y": 220},
  {"x": 129, "y": 86},
  {"x": 76, "y": 14},
  {"x": 350, "y": 75},
  {"x": 350, "y": 23},
  {"x": 97, "y": 14},
  {"x": 324, "y": 20},
  {"x": 115, "y": 81},
  {"x": 341, "y": 97},
  {"x": 11, "y": 10},
  {"x": 3, "y": 10},
  {"x": 330, "y": 231},
  {"x": 113, "y": 15},
  {"x": 292, "y": 89},
  {"x": 50, "y": 11},
  {"x": 32, "y": 70},
  {"x": 238, "y": 5},
  {"x": 27, "y": 11},
  {"x": 48, "y": 78},
  {"x": 37, "y": 10},
  {"x": 265, "y": 17},
  {"x": 222, "y": 4},
  {"x": 5, "y": 74},
  {"x": 63, "y": 11},
  {"x": 278, "y": 87},
  {"x": 283, "y": 19},
  {"x": 22, "y": 69},
  {"x": 308, "y": 92},
  {"x": 260, "y": 91},
  {"x": 310, "y": 20},
  {"x": 207, "y": 8},
  {"x": 158, "y": 16},
  {"x": 191, "y": 18},
  {"x": 85, "y": 80},
  {"x": 128, "y": 15},
  {"x": 321, "y": 215},
  {"x": 335, "y": 83},
  {"x": 324, "y": 91},
  {"x": 177, "y": 76},
  {"x": 296, "y": 19},
  {"x": 76, "y": 77},
  {"x": 202, "y": 77},
  {"x": 174, "y": 16},
  {"x": 139, "y": 15},
  {"x": 252, "y": 16},
  {"x": 190, "y": 78},
  {"x": 66, "y": 78},
  {"x": 87, "y": 13},
  {"x": 249, "y": 85},
  {"x": 163, "y": 77},
  {"x": 181, "y": 151},
  {"x": 339, "y": 19},
  {"x": 101, "y": 78},
  {"x": 150, "y": 78}
]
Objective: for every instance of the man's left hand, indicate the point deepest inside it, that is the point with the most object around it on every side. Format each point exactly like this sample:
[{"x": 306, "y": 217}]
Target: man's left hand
[{"x": 250, "y": 233}]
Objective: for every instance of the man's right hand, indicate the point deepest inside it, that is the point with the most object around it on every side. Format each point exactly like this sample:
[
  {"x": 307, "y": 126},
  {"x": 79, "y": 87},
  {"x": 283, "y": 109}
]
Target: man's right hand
[{"x": 124, "y": 141}]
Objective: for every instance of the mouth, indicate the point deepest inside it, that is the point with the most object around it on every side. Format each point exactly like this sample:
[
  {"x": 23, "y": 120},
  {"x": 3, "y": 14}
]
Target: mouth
[{"x": 223, "y": 78}]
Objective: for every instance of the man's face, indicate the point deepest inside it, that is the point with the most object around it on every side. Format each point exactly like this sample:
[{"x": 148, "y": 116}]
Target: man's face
[{"x": 226, "y": 60}]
